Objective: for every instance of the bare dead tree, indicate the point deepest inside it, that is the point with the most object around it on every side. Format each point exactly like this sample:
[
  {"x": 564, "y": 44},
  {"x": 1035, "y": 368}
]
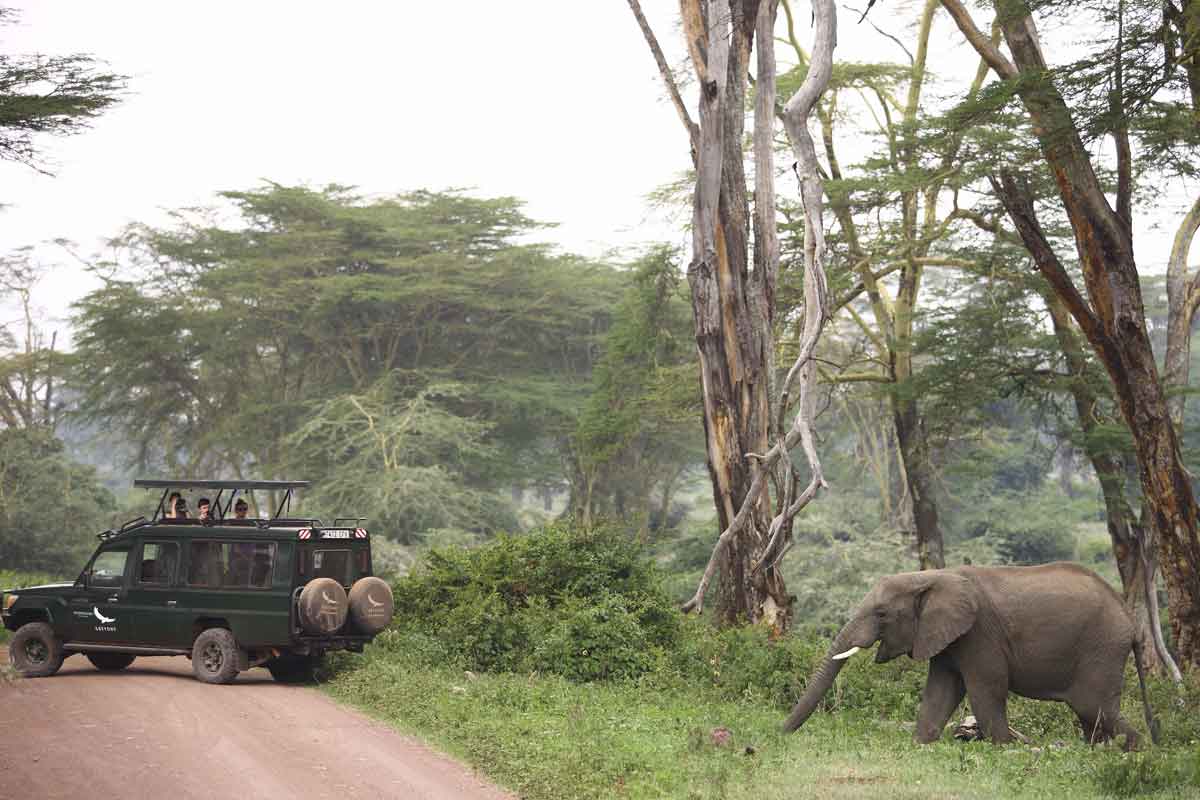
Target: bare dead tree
[{"x": 733, "y": 296}]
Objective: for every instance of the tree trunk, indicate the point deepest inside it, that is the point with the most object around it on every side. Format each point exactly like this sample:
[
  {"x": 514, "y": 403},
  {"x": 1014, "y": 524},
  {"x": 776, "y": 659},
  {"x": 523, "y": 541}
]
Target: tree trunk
[
  {"x": 914, "y": 449},
  {"x": 1124, "y": 530},
  {"x": 733, "y": 301},
  {"x": 732, "y": 309}
]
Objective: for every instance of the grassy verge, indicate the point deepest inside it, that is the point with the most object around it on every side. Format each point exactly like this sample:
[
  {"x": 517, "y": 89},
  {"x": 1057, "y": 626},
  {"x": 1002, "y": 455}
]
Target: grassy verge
[{"x": 545, "y": 737}]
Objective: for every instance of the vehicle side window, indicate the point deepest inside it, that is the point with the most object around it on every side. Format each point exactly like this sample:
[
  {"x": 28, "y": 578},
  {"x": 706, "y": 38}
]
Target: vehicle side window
[
  {"x": 236, "y": 565},
  {"x": 204, "y": 564},
  {"x": 248, "y": 565},
  {"x": 157, "y": 566},
  {"x": 109, "y": 568}
]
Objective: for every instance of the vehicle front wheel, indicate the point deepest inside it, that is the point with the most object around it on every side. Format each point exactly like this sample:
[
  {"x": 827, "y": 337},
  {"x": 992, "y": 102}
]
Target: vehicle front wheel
[
  {"x": 215, "y": 656},
  {"x": 110, "y": 662},
  {"x": 294, "y": 668},
  {"x": 35, "y": 652}
]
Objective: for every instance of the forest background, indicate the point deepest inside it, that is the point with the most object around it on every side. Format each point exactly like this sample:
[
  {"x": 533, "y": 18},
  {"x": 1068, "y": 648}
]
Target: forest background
[{"x": 431, "y": 363}]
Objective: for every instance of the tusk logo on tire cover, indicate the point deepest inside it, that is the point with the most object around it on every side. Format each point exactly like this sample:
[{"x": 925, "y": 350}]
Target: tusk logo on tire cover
[
  {"x": 373, "y": 601},
  {"x": 325, "y": 596},
  {"x": 103, "y": 619}
]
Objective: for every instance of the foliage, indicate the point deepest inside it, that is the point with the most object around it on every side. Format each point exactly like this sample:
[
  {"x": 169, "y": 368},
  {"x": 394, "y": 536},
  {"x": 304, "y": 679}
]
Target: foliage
[
  {"x": 638, "y": 428},
  {"x": 1139, "y": 774},
  {"x": 43, "y": 95},
  {"x": 577, "y": 602},
  {"x": 50, "y": 507},
  {"x": 30, "y": 369},
  {"x": 414, "y": 343},
  {"x": 402, "y": 457}
]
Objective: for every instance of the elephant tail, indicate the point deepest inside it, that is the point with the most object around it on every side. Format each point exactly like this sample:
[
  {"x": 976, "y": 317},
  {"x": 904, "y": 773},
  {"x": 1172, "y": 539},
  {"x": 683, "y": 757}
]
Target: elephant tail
[{"x": 1138, "y": 662}]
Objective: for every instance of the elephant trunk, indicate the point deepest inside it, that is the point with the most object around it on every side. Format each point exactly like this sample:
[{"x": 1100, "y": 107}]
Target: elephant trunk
[{"x": 853, "y": 636}]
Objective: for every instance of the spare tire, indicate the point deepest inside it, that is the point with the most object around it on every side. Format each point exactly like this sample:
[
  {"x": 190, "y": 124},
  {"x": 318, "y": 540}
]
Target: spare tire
[
  {"x": 322, "y": 607},
  {"x": 371, "y": 604}
]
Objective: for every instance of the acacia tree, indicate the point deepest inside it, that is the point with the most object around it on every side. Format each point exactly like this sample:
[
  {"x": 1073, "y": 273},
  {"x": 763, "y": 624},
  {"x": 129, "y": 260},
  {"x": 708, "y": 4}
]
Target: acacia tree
[
  {"x": 637, "y": 431},
  {"x": 48, "y": 96},
  {"x": 29, "y": 365},
  {"x": 733, "y": 277},
  {"x": 1109, "y": 311}
]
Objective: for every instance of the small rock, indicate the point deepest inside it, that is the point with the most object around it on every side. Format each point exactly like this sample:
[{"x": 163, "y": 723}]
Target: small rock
[
  {"x": 470, "y": 675},
  {"x": 458, "y": 689},
  {"x": 968, "y": 730},
  {"x": 750, "y": 750}
]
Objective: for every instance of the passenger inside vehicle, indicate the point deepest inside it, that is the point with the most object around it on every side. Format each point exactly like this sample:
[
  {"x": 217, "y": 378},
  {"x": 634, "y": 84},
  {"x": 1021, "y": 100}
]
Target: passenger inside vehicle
[
  {"x": 172, "y": 505},
  {"x": 203, "y": 565},
  {"x": 241, "y": 563},
  {"x": 240, "y": 509},
  {"x": 261, "y": 574},
  {"x": 202, "y": 508}
]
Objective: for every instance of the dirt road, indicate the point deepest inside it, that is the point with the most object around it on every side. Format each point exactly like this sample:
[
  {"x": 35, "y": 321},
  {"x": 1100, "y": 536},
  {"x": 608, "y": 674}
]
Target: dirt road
[{"x": 153, "y": 731}]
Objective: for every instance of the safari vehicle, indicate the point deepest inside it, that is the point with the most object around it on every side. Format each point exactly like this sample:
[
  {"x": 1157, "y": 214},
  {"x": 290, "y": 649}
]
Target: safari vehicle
[{"x": 230, "y": 594}]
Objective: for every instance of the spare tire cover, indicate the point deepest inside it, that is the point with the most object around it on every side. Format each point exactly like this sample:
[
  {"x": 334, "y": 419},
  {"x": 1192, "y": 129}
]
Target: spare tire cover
[
  {"x": 371, "y": 604},
  {"x": 322, "y": 606}
]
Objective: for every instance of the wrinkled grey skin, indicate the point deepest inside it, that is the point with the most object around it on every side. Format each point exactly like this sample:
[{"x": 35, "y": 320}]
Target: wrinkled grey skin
[{"x": 1051, "y": 632}]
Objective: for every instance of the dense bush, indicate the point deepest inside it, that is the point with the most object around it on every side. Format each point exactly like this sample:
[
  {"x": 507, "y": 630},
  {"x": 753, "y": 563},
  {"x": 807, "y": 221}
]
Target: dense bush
[
  {"x": 583, "y": 604},
  {"x": 50, "y": 506}
]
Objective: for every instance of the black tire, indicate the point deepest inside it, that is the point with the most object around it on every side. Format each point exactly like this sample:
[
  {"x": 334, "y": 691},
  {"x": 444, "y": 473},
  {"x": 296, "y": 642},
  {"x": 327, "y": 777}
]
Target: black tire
[
  {"x": 215, "y": 656},
  {"x": 292, "y": 668},
  {"x": 34, "y": 650},
  {"x": 110, "y": 662},
  {"x": 371, "y": 604},
  {"x": 322, "y": 607}
]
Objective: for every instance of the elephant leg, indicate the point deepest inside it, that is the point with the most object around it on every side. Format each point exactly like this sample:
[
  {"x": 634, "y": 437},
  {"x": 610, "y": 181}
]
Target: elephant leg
[
  {"x": 1091, "y": 720},
  {"x": 1103, "y": 722},
  {"x": 944, "y": 690},
  {"x": 989, "y": 703}
]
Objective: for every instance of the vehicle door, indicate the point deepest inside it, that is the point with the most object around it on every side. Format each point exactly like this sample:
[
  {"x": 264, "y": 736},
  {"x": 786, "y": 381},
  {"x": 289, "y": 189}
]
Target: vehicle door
[
  {"x": 99, "y": 611},
  {"x": 153, "y": 597}
]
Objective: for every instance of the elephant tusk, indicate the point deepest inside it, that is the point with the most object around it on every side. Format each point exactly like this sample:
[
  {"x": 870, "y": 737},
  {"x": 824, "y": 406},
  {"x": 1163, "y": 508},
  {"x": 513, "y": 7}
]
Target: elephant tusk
[{"x": 847, "y": 654}]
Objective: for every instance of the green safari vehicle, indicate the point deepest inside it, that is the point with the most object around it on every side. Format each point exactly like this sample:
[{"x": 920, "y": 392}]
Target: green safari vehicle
[{"x": 228, "y": 593}]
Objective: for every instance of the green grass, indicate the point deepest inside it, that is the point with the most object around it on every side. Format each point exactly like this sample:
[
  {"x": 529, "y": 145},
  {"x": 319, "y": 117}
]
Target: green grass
[{"x": 545, "y": 737}]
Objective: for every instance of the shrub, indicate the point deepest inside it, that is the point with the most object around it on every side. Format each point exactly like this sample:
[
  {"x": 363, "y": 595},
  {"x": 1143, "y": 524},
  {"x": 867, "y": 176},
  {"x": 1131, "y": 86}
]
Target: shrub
[
  {"x": 591, "y": 639},
  {"x": 585, "y": 604}
]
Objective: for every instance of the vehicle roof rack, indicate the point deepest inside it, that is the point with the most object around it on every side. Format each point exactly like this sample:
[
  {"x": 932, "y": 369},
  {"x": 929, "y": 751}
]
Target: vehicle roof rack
[
  {"x": 156, "y": 483},
  {"x": 167, "y": 484}
]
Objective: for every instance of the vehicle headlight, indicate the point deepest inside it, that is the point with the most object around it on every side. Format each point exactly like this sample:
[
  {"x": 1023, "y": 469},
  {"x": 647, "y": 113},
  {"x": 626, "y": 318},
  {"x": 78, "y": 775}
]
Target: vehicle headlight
[{"x": 9, "y": 599}]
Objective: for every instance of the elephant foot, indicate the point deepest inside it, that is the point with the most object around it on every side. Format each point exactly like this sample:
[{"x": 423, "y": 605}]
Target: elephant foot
[{"x": 926, "y": 736}]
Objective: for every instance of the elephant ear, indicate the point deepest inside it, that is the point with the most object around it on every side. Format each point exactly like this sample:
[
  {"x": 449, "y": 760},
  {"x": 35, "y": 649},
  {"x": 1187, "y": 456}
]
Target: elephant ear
[{"x": 945, "y": 611}]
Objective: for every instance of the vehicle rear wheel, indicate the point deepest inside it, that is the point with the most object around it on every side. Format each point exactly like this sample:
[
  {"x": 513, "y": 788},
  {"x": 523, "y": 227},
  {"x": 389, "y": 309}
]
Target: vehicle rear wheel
[
  {"x": 215, "y": 656},
  {"x": 34, "y": 650},
  {"x": 110, "y": 662},
  {"x": 291, "y": 668}
]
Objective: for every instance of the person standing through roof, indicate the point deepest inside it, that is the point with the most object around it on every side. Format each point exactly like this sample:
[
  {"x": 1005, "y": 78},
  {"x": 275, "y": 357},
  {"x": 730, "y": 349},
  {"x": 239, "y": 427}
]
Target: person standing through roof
[
  {"x": 202, "y": 509},
  {"x": 240, "y": 509},
  {"x": 172, "y": 511}
]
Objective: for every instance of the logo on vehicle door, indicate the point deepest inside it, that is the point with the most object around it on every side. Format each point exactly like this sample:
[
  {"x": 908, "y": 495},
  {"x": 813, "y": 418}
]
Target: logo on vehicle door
[{"x": 105, "y": 622}]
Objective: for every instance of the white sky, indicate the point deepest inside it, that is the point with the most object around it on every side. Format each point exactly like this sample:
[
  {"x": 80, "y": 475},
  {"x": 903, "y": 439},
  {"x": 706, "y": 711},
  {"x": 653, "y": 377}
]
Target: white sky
[{"x": 556, "y": 102}]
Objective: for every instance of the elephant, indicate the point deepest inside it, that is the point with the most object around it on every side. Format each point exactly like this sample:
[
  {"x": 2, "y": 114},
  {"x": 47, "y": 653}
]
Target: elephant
[{"x": 1051, "y": 632}]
